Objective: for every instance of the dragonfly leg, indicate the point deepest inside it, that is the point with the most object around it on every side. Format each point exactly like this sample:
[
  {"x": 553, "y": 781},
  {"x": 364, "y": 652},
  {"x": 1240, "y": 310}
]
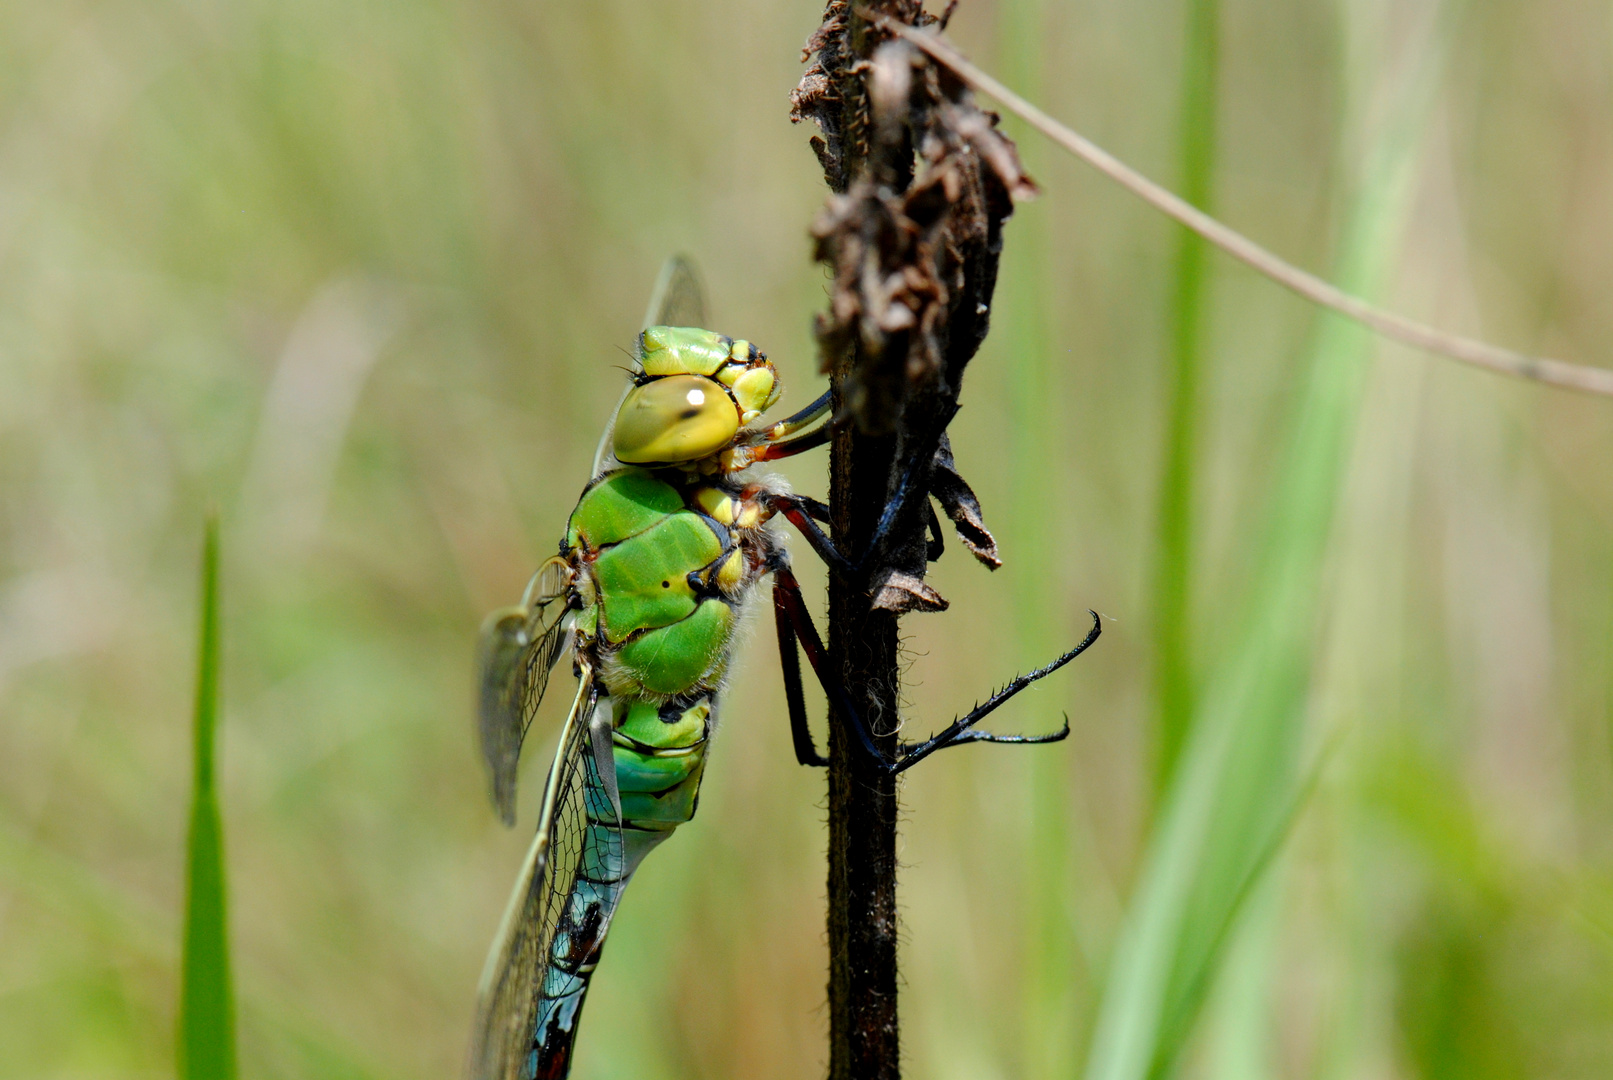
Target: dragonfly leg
[
  {"x": 773, "y": 451},
  {"x": 795, "y": 625},
  {"x": 790, "y": 664},
  {"x": 797, "y": 421},
  {"x": 804, "y": 514},
  {"x": 790, "y": 605},
  {"x": 784, "y": 439},
  {"x": 914, "y": 482},
  {"x": 962, "y": 730}
]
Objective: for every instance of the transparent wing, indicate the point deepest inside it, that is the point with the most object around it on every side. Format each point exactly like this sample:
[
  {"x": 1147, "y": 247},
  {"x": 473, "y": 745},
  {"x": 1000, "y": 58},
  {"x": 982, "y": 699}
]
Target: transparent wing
[
  {"x": 518, "y": 649},
  {"x": 512, "y": 982},
  {"x": 676, "y": 300}
]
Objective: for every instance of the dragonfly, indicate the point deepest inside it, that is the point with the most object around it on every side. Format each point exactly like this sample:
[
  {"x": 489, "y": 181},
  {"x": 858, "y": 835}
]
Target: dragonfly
[{"x": 671, "y": 536}]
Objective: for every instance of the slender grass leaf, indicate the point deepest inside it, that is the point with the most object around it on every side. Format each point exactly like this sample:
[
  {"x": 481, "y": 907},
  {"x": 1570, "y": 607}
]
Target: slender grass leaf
[
  {"x": 1232, "y": 795},
  {"x": 1048, "y": 1043},
  {"x": 206, "y": 1004},
  {"x": 1173, "y": 538}
]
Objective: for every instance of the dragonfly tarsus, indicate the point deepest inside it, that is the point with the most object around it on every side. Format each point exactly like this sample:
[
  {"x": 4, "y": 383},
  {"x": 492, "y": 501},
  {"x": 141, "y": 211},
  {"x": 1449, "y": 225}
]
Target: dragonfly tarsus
[
  {"x": 962, "y": 730},
  {"x": 795, "y": 624},
  {"x": 918, "y": 467}
]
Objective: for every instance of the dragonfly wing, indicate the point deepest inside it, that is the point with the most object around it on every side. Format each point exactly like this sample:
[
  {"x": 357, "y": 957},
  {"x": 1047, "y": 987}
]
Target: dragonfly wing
[
  {"x": 519, "y": 648},
  {"x": 512, "y": 982},
  {"x": 676, "y": 300}
]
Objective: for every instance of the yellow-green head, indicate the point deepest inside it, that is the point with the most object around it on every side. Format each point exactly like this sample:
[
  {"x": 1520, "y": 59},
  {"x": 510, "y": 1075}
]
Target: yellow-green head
[{"x": 695, "y": 389}]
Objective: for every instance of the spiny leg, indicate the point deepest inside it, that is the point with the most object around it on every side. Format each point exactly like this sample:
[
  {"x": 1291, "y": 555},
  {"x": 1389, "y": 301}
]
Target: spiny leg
[
  {"x": 773, "y": 451},
  {"x": 794, "y": 622},
  {"x": 801, "y": 512},
  {"x": 790, "y": 606},
  {"x": 787, "y": 599},
  {"x": 805, "y": 513},
  {"x": 777, "y": 442},
  {"x": 784, "y": 439},
  {"x": 962, "y": 729},
  {"x": 918, "y": 465},
  {"x": 794, "y": 697}
]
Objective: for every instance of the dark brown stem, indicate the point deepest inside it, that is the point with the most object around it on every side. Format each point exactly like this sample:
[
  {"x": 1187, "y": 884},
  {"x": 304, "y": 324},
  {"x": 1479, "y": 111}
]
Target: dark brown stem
[
  {"x": 863, "y": 1041},
  {"x": 922, "y": 182},
  {"x": 864, "y": 1038}
]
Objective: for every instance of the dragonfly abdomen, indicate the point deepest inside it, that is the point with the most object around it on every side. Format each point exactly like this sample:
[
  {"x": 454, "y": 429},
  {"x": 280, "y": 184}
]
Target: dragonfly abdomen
[
  {"x": 601, "y": 876},
  {"x": 659, "y": 752}
]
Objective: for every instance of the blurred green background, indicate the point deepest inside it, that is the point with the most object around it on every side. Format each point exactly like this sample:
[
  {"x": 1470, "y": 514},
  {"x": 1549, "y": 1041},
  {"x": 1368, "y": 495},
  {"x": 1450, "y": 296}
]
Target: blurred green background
[{"x": 361, "y": 275}]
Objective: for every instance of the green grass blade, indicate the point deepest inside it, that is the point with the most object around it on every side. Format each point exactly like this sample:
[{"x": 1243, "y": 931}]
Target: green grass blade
[
  {"x": 206, "y": 1003},
  {"x": 1048, "y": 1042},
  {"x": 1173, "y": 540},
  {"x": 1235, "y": 791}
]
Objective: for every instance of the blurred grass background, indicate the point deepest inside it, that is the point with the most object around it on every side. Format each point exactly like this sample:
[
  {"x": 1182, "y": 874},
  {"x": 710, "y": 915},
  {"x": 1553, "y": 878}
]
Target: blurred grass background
[{"x": 361, "y": 275}]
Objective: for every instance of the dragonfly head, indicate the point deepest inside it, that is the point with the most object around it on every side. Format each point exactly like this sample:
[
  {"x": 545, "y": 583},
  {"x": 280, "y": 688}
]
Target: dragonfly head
[{"x": 693, "y": 391}]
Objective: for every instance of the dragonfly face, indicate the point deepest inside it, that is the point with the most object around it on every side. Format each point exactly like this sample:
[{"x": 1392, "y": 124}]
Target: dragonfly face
[{"x": 695, "y": 389}]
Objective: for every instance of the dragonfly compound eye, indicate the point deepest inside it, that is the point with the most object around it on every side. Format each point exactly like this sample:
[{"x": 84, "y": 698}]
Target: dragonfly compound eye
[{"x": 674, "y": 419}]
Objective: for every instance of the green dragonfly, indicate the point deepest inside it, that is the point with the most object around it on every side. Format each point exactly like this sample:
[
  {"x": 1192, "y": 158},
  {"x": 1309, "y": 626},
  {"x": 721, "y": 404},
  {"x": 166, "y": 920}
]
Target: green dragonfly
[{"x": 669, "y": 539}]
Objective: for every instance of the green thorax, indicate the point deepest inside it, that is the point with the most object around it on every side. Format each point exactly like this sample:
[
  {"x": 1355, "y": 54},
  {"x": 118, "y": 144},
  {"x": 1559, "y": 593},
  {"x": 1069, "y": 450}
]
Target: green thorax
[
  {"x": 644, "y": 550},
  {"x": 623, "y": 504}
]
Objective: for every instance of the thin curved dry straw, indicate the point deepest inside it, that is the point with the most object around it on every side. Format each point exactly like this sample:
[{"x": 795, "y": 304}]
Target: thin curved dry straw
[{"x": 1409, "y": 331}]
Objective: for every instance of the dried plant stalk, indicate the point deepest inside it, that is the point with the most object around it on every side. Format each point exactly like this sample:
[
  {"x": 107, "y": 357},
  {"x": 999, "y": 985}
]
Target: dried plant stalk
[{"x": 922, "y": 182}]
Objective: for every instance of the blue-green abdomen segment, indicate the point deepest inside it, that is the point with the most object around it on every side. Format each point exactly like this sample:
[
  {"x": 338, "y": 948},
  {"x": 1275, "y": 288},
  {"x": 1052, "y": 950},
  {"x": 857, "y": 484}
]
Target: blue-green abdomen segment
[
  {"x": 602, "y": 874},
  {"x": 659, "y": 752}
]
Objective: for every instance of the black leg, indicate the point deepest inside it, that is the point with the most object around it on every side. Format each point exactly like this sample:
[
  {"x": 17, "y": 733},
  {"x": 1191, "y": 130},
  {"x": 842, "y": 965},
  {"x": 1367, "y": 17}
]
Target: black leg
[
  {"x": 918, "y": 466},
  {"x": 795, "y": 624},
  {"x": 934, "y": 547},
  {"x": 962, "y": 730},
  {"x": 800, "y": 509},
  {"x": 800, "y": 512},
  {"x": 795, "y": 421},
  {"x": 783, "y": 438},
  {"x": 787, "y": 599},
  {"x": 817, "y": 511},
  {"x": 790, "y": 665}
]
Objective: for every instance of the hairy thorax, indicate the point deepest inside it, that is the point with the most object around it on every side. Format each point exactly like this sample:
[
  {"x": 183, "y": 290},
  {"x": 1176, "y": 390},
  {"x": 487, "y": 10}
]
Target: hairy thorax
[{"x": 663, "y": 561}]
